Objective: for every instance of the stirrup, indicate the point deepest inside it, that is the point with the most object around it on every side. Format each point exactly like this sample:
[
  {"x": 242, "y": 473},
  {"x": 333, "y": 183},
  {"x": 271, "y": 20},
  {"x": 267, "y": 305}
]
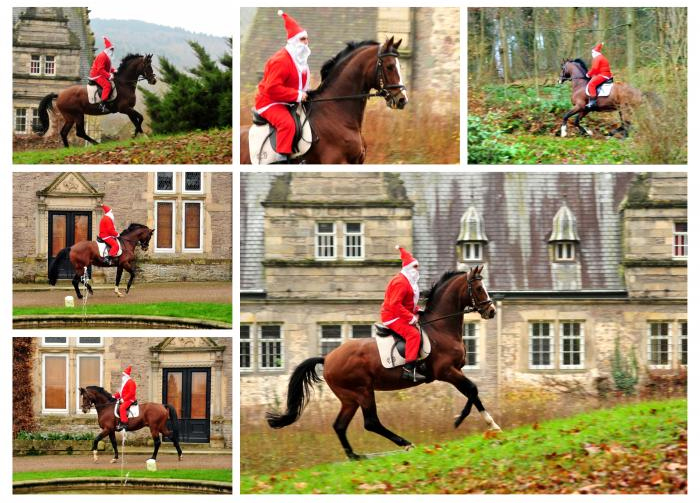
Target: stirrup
[{"x": 412, "y": 375}]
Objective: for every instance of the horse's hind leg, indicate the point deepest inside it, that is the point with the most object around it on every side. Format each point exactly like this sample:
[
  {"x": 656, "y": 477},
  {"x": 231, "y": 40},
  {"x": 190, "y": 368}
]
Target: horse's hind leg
[
  {"x": 113, "y": 439},
  {"x": 577, "y": 123},
  {"x": 347, "y": 411},
  {"x": 66, "y": 129},
  {"x": 131, "y": 279},
  {"x": 174, "y": 440},
  {"x": 156, "y": 444},
  {"x": 80, "y": 130},
  {"x": 373, "y": 424},
  {"x": 469, "y": 389},
  {"x": 76, "y": 282}
]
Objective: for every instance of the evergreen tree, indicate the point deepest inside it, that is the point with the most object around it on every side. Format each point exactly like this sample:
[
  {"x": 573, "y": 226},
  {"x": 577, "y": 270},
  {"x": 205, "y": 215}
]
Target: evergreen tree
[{"x": 198, "y": 99}]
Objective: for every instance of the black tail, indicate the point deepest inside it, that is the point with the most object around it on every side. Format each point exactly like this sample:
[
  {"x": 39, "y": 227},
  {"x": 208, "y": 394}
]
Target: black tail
[
  {"x": 175, "y": 437},
  {"x": 45, "y": 106},
  {"x": 300, "y": 385},
  {"x": 53, "y": 270}
]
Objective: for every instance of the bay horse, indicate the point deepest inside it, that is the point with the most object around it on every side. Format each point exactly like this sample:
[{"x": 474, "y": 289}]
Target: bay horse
[
  {"x": 151, "y": 415},
  {"x": 336, "y": 108},
  {"x": 85, "y": 253},
  {"x": 354, "y": 371},
  {"x": 73, "y": 102},
  {"x": 623, "y": 96}
]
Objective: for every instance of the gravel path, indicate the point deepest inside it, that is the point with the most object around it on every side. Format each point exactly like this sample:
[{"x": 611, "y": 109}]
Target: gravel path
[{"x": 167, "y": 460}]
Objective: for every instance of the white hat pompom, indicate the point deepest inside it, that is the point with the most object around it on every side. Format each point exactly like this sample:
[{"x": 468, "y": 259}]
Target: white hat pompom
[
  {"x": 397, "y": 247},
  {"x": 280, "y": 12}
]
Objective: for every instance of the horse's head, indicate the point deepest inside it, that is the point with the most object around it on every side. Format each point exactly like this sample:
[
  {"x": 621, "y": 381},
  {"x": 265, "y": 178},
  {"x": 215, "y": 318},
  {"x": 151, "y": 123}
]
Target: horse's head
[
  {"x": 477, "y": 296},
  {"x": 147, "y": 69},
  {"x": 87, "y": 399},
  {"x": 572, "y": 69},
  {"x": 388, "y": 79},
  {"x": 140, "y": 234}
]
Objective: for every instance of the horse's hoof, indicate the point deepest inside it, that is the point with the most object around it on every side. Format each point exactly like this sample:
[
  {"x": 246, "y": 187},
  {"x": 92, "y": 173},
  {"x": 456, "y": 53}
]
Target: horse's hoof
[
  {"x": 113, "y": 460},
  {"x": 179, "y": 458},
  {"x": 119, "y": 294},
  {"x": 409, "y": 447}
]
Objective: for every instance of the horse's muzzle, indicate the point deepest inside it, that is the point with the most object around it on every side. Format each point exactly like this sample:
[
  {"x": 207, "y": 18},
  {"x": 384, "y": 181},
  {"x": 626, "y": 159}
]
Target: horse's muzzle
[
  {"x": 488, "y": 313},
  {"x": 152, "y": 81}
]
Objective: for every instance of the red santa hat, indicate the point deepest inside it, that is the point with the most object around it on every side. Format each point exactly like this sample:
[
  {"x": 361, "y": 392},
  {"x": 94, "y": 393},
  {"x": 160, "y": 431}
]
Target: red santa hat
[
  {"x": 108, "y": 44},
  {"x": 294, "y": 31},
  {"x": 106, "y": 208},
  {"x": 127, "y": 370},
  {"x": 407, "y": 259},
  {"x": 598, "y": 49}
]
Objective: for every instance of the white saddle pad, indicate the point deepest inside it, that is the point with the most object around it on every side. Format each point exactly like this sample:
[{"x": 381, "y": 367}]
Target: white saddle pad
[
  {"x": 95, "y": 94},
  {"x": 260, "y": 147},
  {"x": 133, "y": 410},
  {"x": 604, "y": 90},
  {"x": 390, "y": 355},
  {"x": 104, "y": 250}
]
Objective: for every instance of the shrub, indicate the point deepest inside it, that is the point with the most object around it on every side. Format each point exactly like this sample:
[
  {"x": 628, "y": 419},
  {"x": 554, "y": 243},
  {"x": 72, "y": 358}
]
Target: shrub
[{"x": 625, "y": 372}]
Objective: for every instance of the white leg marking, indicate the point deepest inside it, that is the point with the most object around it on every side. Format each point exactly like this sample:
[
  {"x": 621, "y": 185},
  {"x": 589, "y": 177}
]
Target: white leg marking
[
  {"x": 116, "y": 290},
  {"x": 489, "y": 420},
  {"x": 563, "y": 131},
  {"x": 588, "y": 131},
  {"x": 94, "y": 456}
]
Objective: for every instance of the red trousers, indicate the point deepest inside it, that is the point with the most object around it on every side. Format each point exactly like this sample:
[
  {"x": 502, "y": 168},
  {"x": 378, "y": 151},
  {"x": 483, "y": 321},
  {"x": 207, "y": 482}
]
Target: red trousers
[
  {"x": 595, "y": 81},
  {"x": 282, "y": 121},
  {"x": 123, "y": 408},
  {"x": 113, "y": 246},
  {"x": 411, "y": 335},
  {"x": 106, "y": 87}
]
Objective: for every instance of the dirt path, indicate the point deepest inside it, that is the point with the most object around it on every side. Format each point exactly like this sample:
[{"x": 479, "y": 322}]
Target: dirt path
[
  {"x": 135, "y": 461},
  {"x": 28, "y": 296}
]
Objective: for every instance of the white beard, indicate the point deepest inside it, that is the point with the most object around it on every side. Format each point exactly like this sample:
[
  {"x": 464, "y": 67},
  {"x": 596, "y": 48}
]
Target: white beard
[
  {"x": 412, "y": 275},
  {"x": 300, "y": 54},
  {"x": 110, "y": 215},
  {"x": 124, "y": 380}
]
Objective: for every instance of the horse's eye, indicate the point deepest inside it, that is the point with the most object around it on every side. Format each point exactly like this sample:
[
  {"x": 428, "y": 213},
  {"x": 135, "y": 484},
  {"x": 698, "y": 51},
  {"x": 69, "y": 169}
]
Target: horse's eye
[{"x": 390, "y": 68}]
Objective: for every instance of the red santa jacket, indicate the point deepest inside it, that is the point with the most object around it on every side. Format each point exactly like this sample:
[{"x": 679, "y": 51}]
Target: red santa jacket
[
  {"x": 281, "y": 82},
  {"x": 128, "y": 392},
  {"x": 600, "y": 66},
  {"x": 398, "y": 300},
  {"x": 107, "y": 229},
  {"x": 102, "y": 66}
]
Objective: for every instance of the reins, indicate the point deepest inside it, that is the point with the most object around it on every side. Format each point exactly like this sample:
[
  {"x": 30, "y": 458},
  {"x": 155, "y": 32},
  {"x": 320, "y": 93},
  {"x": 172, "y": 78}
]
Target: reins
[{"x": 469, "y": 309}]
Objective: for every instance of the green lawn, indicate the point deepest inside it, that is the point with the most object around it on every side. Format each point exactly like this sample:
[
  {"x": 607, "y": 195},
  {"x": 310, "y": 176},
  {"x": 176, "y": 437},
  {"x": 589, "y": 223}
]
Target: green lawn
[
  {"x": 216, "y": 475},
  {"x": 639, "y": 448},
  {"x": 540, "y": 149},
  {"x": 197, "y": 310}
]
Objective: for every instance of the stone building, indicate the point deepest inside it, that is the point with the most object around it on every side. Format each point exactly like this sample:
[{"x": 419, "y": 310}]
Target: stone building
[
  {"x": 574, "y": 262},
  {"x": 429, "y": 50},
  {"x": 52, "y": 48},
  {"x": 191, "y": 212},
  {"x": 194, "y": 374}
]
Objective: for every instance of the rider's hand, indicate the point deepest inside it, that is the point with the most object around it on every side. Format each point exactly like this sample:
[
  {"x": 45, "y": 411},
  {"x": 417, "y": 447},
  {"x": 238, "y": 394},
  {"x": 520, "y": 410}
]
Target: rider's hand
[
  {"x": 414, "y": 320},
  {"x": 304, "y": 96}
]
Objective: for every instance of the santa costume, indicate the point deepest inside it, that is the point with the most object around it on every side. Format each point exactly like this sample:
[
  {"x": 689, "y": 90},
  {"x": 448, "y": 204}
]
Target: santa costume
[
  {"x": 599, "y": 72},
  {"x": 400, "y": 308},
  {"x": 108, "y": 233},
  {"x": 127, "y": 393},
  {"x": 102, "y": 69},
  {"x": 285, "y": 79}
]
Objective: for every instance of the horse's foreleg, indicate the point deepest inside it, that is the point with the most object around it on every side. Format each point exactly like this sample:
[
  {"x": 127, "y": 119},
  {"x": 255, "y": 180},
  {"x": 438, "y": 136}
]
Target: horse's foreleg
[
  {"x": 372, "y": 423},
  {"x": 347, "y": 411},
  {"x": 99, "y": 437},
  {"x": 565, "y": 120},
  {"x": 136, "y": 120},
  {"x": 469, "y": 389}
]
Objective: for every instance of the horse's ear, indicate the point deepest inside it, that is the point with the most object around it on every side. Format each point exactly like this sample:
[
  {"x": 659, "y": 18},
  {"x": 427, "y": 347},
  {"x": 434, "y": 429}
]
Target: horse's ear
[
  {"x": 389, "y": 42},
  {"x": 480, "y": 268},
  {"x": 82, "y": 390},
  {"x": 397, "y": 44}
]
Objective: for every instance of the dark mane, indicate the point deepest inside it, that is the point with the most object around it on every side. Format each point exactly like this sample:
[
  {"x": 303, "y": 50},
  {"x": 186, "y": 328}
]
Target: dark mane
[
  {"x": 327, "y": 70},
  {"x": 101, "y": 391},
  {"x": 125, "y": 61},
  {"x": 133, "y": 227},
  {"x": 439, "y": 283},
  {"x": 580, "y": 62}
]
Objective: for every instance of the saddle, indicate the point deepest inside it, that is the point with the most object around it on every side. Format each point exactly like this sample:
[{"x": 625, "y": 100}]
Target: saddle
[
  {"x": 392, "y": 347},
  {"x": 262, "y": 137},
  {"x": 603, "y": 89},
  {"x": 103, "y": 247},
  {"x": 132, "y": 411},
  {"x": 94, "y": 92}
]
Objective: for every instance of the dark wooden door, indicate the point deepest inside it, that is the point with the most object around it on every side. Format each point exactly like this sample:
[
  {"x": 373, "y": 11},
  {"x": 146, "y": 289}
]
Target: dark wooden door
[
  {"x": 65, "y": 229},
  {"x": 189, "y": 391}
]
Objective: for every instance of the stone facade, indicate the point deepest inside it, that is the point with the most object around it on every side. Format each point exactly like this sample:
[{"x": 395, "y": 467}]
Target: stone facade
[
  {"x": 148, "y": 356},
  {"x": 133, "y": 197}
]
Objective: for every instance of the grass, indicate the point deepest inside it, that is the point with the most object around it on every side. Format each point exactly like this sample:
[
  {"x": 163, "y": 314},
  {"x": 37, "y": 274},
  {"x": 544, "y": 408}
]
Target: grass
[
  {"x": 537, "y": 149},
  {"x": 198, "y": 310},
  {"x": 213, "y": 146},
  {"x": 640, "y": 447},
  {"x": 216, "y": 475}
]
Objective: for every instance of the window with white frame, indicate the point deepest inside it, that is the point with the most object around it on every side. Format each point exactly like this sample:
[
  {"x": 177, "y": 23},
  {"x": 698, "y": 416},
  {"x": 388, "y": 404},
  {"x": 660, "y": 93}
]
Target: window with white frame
[
  {"x": 54, "y": 385},
  {"x": 325, "y": 241},
  {"x": 659, "y": 345},
  {"x": 684, "y": 343},
  {"x": 89, "y": 373},
  {"x": 35, "y": 119},
  {"x": 165, "y": 182},
  {"x": 192, "y": 228},
  {"x": 20, "y": 120},
  {"x": 361, "y": 331},
  {"x": 49, "y": 65},
  {"x": 541, "y": 345},
  {"x": 35, "y": 65},
  {"x": 471, "y": 250},
  {"x": 165, "y": 226},
  {"x": 246, "y": 346},
  {"x": 192, "y": 182},
  {"x": 331, "y": 336},
  {"x": 89, "y": 341},
  {"x": 270, "y": 347},
  {"x": 571, "y": 345},
  {"x": 354, "y": 248},
  {"x": 564, "y": 250},
  {"x": 680, "y": 240},
  {"x": 55, "y": 341},
  {"x": 471, "y": 345}
]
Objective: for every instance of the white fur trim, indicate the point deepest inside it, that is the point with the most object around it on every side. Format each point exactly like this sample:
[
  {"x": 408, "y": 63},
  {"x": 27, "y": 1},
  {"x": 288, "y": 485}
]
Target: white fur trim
[
  {"x": 397, "y": 247},
  {"x": 298, "y": 36},
  {"x": 280, "y": 12}
]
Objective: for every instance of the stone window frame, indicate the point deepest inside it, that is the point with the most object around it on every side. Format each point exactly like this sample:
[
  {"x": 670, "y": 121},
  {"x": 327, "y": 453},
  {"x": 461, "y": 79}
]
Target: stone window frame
[
  {"x": 550, "y": 337},
  {"x": 184, "y": 181},
  {"x": 560, "y": 247},
  {"x": 347, "y": 235},
  {"x": 200, "y": 249},
  {"x": 78, "y": 356},
  {"x": 337, "y": 341},
  {"x": 333, "y": 247},
  {"x": 259, "y": 347},
  {"x": 45, "y": 65},
  {"x": 173, "y": 204},
  {"x": 89, "y": 344},
  {"x": 683, "y": 341},
  {"x": 582, "y": 348},
  {"x": 45, "y": 410},
  {"x": 683, "y": 245},
  {"x": 35, "y": 58},
  {"x": 251, "y": 347},
  {"x": 668, "y": 337},
  {"x": 472, "y": 245},
  {"x": 20, "y": 115},
  {"x": 155, "y": 183},
  {"x": 55, "y": 344},
  {"x": 476, "y": 338}
]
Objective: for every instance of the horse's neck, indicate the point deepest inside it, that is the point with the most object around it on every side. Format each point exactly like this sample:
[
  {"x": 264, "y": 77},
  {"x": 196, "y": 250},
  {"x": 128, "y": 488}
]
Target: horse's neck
[
  {"x": 578, "y": 77},
  {"x": 450, "y": 306},
  {"x": 352, "y": 80},
  {"x": 129, "y": 75}
]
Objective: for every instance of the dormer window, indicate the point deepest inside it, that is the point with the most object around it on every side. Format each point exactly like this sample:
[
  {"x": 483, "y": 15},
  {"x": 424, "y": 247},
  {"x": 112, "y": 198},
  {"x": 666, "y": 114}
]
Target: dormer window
[
  {"x": 472, "y": 237},
  {"x": 564, "y": 237}
]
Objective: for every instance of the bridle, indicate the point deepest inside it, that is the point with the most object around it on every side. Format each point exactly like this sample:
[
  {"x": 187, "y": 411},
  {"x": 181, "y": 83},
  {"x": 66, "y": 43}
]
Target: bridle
[
  {"x": 379, "y": 77},
  {"x": 570, "y": 77},
  {"x": 97, "y": 406},
  {"x": 475, "y": 306}
]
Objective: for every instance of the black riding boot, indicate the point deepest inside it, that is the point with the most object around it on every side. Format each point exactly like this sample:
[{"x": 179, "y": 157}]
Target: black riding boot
[
  {"x": 103, "y": 108},
  {"x": 591, "y": 103},
  {"x": 411, "y": 374},
  {"x": 121, "y": 426}
]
